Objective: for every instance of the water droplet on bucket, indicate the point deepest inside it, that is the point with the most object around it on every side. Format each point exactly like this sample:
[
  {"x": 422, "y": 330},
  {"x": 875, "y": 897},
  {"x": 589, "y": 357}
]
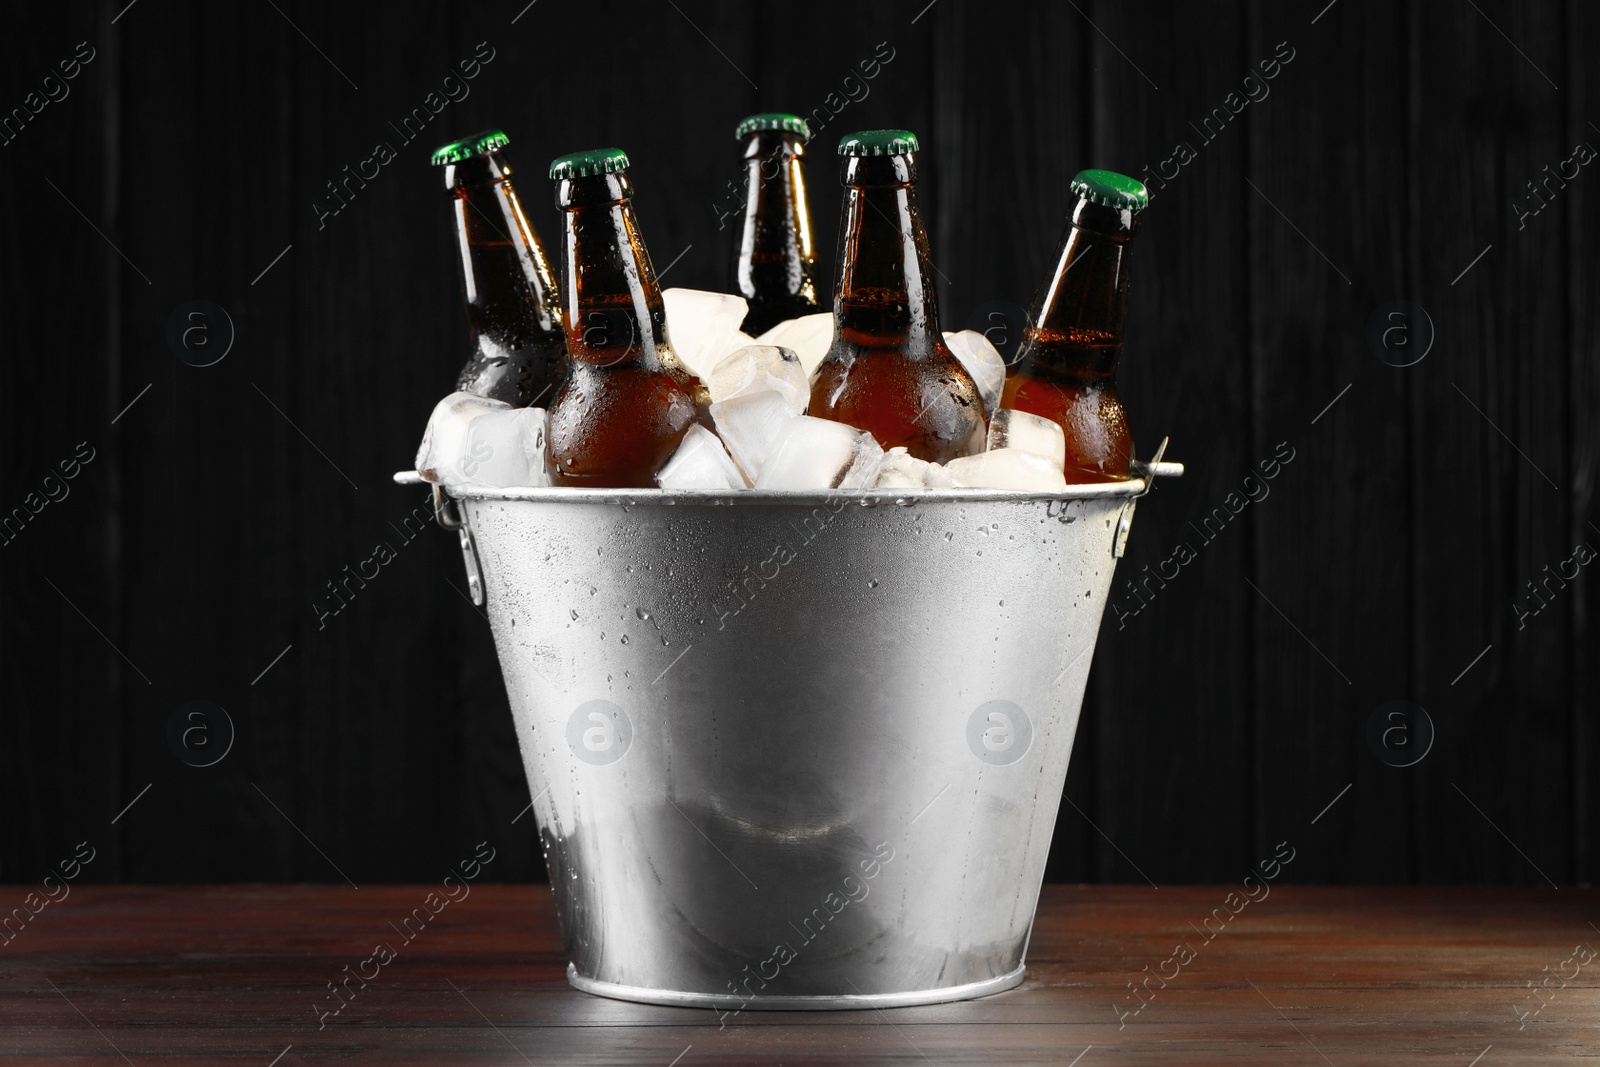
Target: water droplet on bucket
[
  {"x": 872, "y": 583},
  {"x": 624, "y": 638},
  {"x": 643, "y": 614},
  {"x": 574, "y": 614},
  {"x": 948, "y": 535}
]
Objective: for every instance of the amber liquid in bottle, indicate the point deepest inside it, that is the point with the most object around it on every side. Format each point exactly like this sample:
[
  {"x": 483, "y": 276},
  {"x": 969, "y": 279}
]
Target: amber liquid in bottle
[
  {"x": 1065, "y": 368},
  {"x": 888, "y": 370},
  {"x": 628, "y": 400},
  {"x": 774, "y": 256},
  {"x": 519, "y": 353}
]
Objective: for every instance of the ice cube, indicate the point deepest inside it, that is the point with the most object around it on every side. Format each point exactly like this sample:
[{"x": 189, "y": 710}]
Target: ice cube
[
  {"x": 444, "y": 441},
  {"x": 702, "y": 326},
  {"x": 807, "y": 337},
  {"x": 1007, "y": 468},
  {"x": 1031, "y": 433},
  {"x": 504, "y": 450},
  {"x": 750, "y": 426},
  {"x": 901, "y": 470},
  {"x": 701, "y": 462},
  {"x": 756, "y": 367},
  {"x": 821, "y": 454},
  {"x": 983, "y": 361}
]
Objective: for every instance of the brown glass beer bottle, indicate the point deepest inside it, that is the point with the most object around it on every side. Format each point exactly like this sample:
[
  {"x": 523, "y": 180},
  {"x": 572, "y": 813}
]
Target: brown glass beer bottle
[
  {"x": 888, "y": 370},
  {"x": 519, "y": 354},
  {"x": 1065, "y": 368},
  {"x": 628, "y": 400},
  {"x": 774, "y": 257}
]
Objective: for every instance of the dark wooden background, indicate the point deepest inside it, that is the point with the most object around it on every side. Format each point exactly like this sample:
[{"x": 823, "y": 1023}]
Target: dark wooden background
[{"x": 1220, "y": 718}]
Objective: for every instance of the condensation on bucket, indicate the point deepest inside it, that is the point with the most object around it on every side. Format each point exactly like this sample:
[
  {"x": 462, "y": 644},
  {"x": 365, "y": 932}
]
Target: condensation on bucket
[{"x": 796, "y": 751}]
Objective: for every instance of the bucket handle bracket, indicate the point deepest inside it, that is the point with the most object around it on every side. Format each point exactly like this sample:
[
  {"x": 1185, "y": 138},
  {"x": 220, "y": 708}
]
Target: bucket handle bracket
[
  {"x": 1149, "y": 471},
  {"x": 447, "y": 512}
]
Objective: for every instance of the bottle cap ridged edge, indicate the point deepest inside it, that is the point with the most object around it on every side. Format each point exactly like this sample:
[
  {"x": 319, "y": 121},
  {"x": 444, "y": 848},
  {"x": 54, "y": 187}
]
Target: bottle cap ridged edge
[
  {"x": 773, "y": 120},
  {"x": 467, "y": 147},
  {"x": 588, "y": 163},
  {"x": 879, "y": 143},
  {"x": 1110, "y": 189}
]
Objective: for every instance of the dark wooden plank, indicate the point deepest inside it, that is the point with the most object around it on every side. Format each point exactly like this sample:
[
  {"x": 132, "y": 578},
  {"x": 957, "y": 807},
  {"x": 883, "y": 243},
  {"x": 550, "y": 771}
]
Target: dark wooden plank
[
  {"x": 1169, "y": 715},
  {"x": 1329, "y": 586},
  {"x": 59, "y": 486},
  {"x": 213, "y": 588},
  {"x": 1491, "y": 430},
  {"x": 1359, "y": 975},
  {"x": 1583, "y": 319},
  {"x": 376, "y": 790}
]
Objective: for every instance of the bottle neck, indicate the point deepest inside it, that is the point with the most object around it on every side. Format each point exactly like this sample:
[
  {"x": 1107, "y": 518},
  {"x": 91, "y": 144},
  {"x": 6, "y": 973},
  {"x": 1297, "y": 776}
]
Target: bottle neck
[
  {"x": 774, "y": 259},
  {"x": 1076, "y": 324},
  {"x": 884, "y": 294},
  {"x": 613, "y": 311},
  {"x": 509, "y": 287}
]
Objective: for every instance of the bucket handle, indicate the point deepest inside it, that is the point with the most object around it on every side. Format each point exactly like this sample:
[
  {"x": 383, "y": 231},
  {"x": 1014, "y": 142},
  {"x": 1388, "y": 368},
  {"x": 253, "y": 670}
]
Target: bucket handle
[
  {"x": 448, "y": 513},
  {"x": 1149, "y": 471}
]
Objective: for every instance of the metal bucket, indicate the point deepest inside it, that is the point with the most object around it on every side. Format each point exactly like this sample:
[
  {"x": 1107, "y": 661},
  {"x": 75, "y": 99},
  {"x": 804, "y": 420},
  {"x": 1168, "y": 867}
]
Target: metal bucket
[{"x": 794, "y": 750}]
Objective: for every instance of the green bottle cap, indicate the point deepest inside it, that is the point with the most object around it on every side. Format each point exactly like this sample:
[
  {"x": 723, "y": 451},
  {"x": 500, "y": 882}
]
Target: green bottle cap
[
  {"x": 588, "y": 163},
  {"x": 879, "y": 143},
  {"x": 1110, "y": 189},
  {"x": 774, "y": 120},
  {"x": 478, "y": 144}
]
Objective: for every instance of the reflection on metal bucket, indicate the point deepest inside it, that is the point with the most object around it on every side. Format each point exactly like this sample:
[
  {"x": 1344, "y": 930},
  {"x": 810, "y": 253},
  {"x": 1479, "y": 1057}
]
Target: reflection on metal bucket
[{"x": 791, "y": 750}]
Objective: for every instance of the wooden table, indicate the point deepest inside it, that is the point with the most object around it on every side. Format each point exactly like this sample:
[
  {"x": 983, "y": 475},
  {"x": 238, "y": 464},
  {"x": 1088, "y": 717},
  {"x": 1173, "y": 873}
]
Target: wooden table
[{"x": 1308, "y": 975}]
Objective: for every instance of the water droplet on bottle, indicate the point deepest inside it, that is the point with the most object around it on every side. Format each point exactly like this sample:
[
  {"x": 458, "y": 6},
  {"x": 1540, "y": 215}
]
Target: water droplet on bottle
[
  {"x": 643, "y": 614},
  {"x": 872, "y": 583},
  {"x": 574, "y": 614},
  {"x": 624, "y": 638}
]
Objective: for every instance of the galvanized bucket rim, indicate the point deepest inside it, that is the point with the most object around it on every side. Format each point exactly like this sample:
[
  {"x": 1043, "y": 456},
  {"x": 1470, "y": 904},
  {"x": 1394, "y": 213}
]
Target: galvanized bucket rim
[
  {"x": 797, "y": 498},
  {"x": 1145, "y": 474}
]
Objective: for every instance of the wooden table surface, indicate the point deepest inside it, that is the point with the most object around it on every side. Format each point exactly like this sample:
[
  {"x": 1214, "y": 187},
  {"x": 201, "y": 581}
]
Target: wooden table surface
[{"x": 1308, "y": 975}]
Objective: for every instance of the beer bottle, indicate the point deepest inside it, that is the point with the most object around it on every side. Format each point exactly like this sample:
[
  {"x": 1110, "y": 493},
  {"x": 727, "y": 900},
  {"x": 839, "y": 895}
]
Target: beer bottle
[
  {"x": 628, "y": 400},
  {"x": 1065, "y": 368},
  {"x": 774, "y": 257},
  {"x": 888, "y": 370},
  {"x": 519, "y": 354}
]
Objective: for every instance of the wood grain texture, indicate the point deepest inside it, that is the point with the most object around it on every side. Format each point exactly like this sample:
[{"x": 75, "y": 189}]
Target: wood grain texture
[
  {"x": 1489, "y": 522},
  {"x": 1583, "y": 318},
  {"x": 1329, "y": 247},
  {"x": 62, "y": 555},
  {"x": 1185, "y": 373},
  {"x": 1361, "y": 976},
  {"x": 192, "y": 555}
]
